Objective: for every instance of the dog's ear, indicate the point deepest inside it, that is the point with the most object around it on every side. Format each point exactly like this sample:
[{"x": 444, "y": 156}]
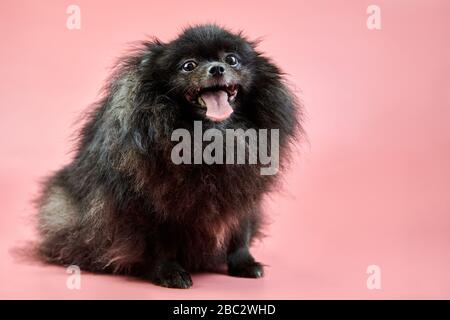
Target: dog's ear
[{"x": 152, "y": 49}]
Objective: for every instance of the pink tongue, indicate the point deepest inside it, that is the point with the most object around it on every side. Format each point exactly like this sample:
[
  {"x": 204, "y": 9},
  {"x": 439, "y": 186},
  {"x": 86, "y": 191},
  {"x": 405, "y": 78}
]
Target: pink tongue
[{"x": 217, "y": 106}]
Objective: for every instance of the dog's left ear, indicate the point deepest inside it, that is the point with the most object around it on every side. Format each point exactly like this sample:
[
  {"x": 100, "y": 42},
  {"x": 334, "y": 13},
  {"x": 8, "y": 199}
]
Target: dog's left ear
[{"x": 247, "y": 43}]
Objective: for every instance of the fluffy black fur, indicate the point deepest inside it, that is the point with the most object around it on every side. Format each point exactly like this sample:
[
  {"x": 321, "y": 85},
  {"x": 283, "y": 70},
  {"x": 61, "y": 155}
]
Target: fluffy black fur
[{"x": 122, "y": 206}]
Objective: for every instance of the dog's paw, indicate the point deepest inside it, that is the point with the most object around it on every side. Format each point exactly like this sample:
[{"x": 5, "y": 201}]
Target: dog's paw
[
  {"x": 172, "y": 276},
  {"x": 247, "y": 270}
]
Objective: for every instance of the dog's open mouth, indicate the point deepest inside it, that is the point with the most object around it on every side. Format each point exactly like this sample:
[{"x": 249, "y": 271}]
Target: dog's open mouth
[{"x": 215, "y": 99}]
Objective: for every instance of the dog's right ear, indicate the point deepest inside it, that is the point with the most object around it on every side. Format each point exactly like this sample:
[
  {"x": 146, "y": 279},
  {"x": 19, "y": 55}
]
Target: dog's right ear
[{"x": 152, "y": 49}]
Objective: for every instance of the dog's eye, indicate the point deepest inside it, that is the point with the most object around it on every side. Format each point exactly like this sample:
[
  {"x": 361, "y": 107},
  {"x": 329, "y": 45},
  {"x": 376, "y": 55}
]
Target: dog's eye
[
  {"x": 189, "y": 65},
  {"x": 232, "y": 60}
]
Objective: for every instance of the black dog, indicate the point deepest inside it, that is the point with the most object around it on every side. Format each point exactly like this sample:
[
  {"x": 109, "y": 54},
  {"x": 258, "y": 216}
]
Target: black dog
[{"x": 123, "y": 206}]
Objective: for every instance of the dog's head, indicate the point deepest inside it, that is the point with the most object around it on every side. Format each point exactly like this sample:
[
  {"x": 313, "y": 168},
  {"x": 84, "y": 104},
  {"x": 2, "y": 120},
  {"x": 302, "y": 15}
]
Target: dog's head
[{"x": 206, "y": 69}]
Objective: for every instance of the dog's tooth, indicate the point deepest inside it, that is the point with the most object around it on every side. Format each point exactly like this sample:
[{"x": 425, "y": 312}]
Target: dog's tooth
[{"x": 200, "y": 101}]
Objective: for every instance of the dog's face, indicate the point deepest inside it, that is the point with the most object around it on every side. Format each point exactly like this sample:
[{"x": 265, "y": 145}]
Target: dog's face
[
  {"x": 208, "y": 69},
  {"x": 212, "y": 83}
]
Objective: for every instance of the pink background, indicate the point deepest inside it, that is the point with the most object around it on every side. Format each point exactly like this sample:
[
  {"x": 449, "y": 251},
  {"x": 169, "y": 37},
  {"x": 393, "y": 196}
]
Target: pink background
[{"x": 372, "y": 186}]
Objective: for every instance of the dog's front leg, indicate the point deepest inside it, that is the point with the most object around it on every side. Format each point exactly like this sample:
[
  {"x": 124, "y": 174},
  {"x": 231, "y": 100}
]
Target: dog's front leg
[{"x": 239, "y": 260}]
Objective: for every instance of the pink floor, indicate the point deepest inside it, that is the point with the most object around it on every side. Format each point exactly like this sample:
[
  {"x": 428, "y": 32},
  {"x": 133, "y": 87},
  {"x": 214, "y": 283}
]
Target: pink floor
[{"x": 371, "y": 186}]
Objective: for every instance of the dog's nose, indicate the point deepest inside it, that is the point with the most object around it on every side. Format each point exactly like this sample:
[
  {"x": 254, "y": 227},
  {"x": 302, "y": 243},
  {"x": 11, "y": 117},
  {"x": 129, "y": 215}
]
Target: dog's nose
[{"x": 216, "y": 70}]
